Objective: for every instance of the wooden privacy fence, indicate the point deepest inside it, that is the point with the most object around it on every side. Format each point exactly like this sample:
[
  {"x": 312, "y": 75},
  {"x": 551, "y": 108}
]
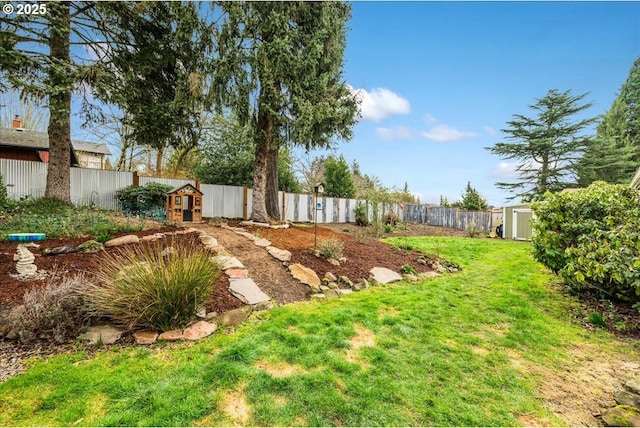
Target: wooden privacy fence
[{"x": 485, "y": 221}]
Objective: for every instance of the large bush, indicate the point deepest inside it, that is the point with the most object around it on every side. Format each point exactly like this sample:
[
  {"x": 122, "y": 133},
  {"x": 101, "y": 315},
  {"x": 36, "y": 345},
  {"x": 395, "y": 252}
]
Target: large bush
[
  {"x": 143, "y": 198},
  {"x": 152, "y": 287},
  {"x": 591, "y": 238}
]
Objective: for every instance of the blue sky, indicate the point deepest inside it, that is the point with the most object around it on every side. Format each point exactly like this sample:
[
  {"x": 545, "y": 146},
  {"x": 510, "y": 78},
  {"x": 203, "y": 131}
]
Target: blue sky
[{"x": 439, "y": 80}]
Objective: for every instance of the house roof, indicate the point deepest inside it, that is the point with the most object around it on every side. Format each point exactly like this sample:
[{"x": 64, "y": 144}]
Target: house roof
[{"x": 40, "y": 141}]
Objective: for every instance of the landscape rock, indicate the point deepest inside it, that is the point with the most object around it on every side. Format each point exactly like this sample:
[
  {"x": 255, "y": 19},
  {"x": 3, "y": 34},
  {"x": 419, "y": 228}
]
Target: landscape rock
[
  {"x": 324, "y": 288},
  {"x": 429, "y": 275},
  {"x": 171, "y": 335},
  {"x": 91, "y": 246},
  {"x": 304, "y": 275},
  {"x": 123, "y": 240},
  {"x": 633, "y": 385},
  {"x": 318, "y": 296},
  {"x": 247, "y": 291},
  {"x": 361, "y": 283},
  {"x": 346, "y": 281},
  {"x": 151, "y": 238},
  {"x": 234, "y": 317},
  {"x": 228, "y": 262},
  {"x": 330, "y": 277},
  {"x": 145, "y": 337},
  {"x": 262, "y": 242},
  {"x": 282, "y": 255},
  {"x": 384, "y": 276},
  {"x": 410, "y": 277},
  {"x": 621, "y": 416},
  {"x": 237, "y": 273},
  {"x": 201, "y": 312},
  {"x": 626, "y": 397},
  {"x": 331, "y": 294},
  {"x": 208, "y": 240},
  {"x": 334, "y": 262},
  {"x": 332, "y": 285},
  {"x": 345, "y": 291},
  {"x": 263, "y": 306},
  {"x": 199, "y": 330},
  {"x": 246, "y": 235},
  {"x": 102, "y": 334}
]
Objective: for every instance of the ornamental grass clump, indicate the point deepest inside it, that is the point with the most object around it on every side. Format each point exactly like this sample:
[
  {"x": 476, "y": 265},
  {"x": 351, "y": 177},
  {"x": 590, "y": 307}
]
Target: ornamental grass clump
[
  {"x": 148, "y": 286},
  {"x": 331, "y": 249}
]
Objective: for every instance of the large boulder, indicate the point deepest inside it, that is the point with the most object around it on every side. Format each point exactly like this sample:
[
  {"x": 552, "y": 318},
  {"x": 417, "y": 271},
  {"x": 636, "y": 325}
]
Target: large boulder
[{"x": 247, "y": 291}]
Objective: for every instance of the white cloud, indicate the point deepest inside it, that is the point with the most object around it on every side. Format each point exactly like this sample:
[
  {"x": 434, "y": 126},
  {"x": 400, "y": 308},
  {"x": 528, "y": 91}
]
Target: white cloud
[
  {"x": 380, "y": 103},
  {"x": 392, "y": 134},
  {"x": 504, "y": 170},
  {"x": 443, "y": 133},
  {"x": 429, "y": 118},
  {"x": 489, "y": 130}
]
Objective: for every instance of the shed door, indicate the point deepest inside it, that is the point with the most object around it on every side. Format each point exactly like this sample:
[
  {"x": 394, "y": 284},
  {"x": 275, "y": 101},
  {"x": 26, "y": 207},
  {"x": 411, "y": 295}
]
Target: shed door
[{"x": 522, "y": 224}]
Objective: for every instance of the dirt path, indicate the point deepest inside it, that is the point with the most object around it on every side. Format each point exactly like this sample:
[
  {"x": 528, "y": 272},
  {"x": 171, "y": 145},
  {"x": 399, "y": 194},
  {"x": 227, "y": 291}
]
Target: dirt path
[{"x": 269, "y": 274}]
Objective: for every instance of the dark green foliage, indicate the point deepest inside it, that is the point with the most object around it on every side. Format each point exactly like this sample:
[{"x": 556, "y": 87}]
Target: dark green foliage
[
  {"x": 615, "y": 154},
  {"x": 142, "y": 198},
  {"x": 6, "y": 204},
  {"x": 228, "y": 155},
  {"x": 590, "y": 238},
  {"x": 545, "y": 146},
  {"x": 337, "y": 178},
  {"x": 471, "y": 200},
  {"x": 362, "y": 219}
]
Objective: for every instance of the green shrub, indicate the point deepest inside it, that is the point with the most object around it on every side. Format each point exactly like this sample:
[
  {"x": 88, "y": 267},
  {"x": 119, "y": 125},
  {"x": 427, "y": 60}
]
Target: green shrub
[
  {"x": 362, "y": 219},
  {"x": 52, "y": 312},
  {"x": 472, "y": 229},
  {"x": 391, "y": 219},
  {"x": 331, "y": 249},
  {"x": 143, "y": 198},
  {"x": 592, "y": 238},
  {"x": 5, "y": 203},
  {"x": 388, "y": 228},
  {"x": 408, "y": 269},
  {"x": 146, "y": 286}
]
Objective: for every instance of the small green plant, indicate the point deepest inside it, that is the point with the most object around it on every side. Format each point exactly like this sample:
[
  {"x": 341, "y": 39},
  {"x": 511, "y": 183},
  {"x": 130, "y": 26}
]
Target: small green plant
[
  {"x": 388, "y": 228},
  {"x": 362, "y": 219},
  {"x": 391, "y": 219},
  {"x": 331, "y": 249},
  {"x": 472, "y": 229},
  {"x": 103, "y": 237},
  {"x": 148, "y": 287},
  {"x": 408, "y": 269},
  {"x": 597, "y": 319}
]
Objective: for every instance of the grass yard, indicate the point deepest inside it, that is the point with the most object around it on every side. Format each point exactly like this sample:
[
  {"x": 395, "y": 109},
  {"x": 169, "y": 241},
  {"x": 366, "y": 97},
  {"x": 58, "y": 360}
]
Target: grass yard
[{"x": 473, "y": 348}]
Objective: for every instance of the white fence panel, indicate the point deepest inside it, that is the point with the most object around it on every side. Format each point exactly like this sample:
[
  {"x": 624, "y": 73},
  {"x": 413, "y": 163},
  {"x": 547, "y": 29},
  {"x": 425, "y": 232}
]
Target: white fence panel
[
  {"x": 24, "y": 178},
  {"x": 98, "y": 187}
]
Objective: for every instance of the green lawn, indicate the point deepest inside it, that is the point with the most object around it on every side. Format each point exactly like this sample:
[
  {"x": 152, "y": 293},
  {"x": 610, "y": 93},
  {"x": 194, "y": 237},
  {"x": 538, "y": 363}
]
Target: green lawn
[{"x": 439, "y": 352}]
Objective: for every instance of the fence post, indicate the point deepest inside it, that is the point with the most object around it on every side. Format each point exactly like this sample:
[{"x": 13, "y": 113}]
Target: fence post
[
  {"x": 136, "y": 179},
  {"x": 283, "y": 217},
  {"x": 245, "y": 196}
]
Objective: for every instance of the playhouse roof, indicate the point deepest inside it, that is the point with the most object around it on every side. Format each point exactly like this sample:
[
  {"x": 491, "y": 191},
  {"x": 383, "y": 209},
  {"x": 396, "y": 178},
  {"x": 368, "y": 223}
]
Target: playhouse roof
[{"x": 186, "y": 188}]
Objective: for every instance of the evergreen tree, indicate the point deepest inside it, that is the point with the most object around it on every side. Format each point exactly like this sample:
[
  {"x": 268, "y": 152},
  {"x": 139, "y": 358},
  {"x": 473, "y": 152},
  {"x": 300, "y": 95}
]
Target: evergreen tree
[
  {"x": 546, "y": 145},
  {"x": 615, "y": 153},
  {"x": 337, "y": 178},
  {"x": 472, "y": 200},
  {"x": 282, "y": 72}
]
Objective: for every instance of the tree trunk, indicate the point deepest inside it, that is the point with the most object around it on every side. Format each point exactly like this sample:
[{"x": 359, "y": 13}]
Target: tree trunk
[
  {"x": 271, "y": 194},
  {"x": 59, "y": 130},
  {"x": 263, "y": 140},
  {"x": 159, "y": 155}
]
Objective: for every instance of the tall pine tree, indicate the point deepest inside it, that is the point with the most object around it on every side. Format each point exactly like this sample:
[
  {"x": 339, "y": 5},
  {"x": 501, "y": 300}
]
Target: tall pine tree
[
  {"x": 546, "y": 146},
  {"x": 281, "y": 71}
]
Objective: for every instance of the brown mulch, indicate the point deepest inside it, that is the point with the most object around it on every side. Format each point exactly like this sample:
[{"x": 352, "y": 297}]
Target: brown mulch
[
  {"x": 12, "y": 289},
  {"x": 361, "y": 253}
]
